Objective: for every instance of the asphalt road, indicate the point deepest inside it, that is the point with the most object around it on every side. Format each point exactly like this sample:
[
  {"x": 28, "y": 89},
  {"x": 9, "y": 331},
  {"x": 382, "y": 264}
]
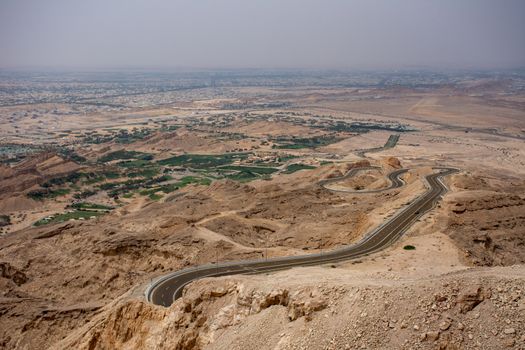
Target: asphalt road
[
  {"x": 393, "y": 177},
  {"x": 168, "y": 288}
]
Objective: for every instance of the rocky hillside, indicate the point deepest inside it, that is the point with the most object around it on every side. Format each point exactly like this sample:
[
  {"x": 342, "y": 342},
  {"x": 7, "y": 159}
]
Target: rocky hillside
[
  {"x": 487, "y": 224},
  {"x": 34, "y": 170},
  {"x": 467, "y": 310},
  {"x": 79, "y": 285},
  {"x": 57, "y": 277}
]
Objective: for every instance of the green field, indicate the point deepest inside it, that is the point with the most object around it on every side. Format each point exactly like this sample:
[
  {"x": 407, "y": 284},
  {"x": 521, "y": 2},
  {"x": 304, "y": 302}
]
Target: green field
[
  {"x": 243, "y": 176},
  {"x": 138, "y": 163},
  {"x": 245, "y": 173},
  {"x": 325, "y": 162},
  {"x": 121, "y": 136},
  {"x": 292, "y": 168},
  {"x": 148, "y": 173},
  {"x": 125, "y": 155},
  {"x": 68, "y": 216},
  {"x": 256, "y": 170},
  {"x": 202, "y": 161},
  {"x": 155, "y": 197},
  {"x": 175, "y": 186},
  {"x": 46, "y": 193},
  {"x": 185, "y": 181},
  {"x": 300, "y": 143}
]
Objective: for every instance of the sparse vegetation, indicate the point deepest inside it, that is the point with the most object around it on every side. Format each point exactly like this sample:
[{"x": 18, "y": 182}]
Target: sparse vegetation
[
  {"x": 169, "y": 218},
  {"x": 84, "y": 194},
  {"x": 125, "y": 155},
  {"x": 292, "y": 168},
  {"x": 73, "y": 215},
  {"x": 299, "y": 143},
  {"x": 139, "y": 163},
  {"x": 155, "y": 196},
  {"x": 5, "y": 220},
  {"x": 201, "y": 161},
  {"x": 46, "y": 193},
  {"x": 70, "y": 178},
  {"x": 255, "y": 170},
  {"x": 70, "y": 154},
  {"x": 147, "y": 173},
  {"x": 183, "y": 182},
  {"x": 243, "y": 176},
  {"x": 123, "y": 136},
  {"x": 86, "y": 205}
]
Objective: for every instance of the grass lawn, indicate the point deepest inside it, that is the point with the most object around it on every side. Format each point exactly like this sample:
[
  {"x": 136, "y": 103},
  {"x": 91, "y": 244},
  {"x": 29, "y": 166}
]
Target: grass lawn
[
  {"x": 292, "y": 168},
  {"x": 299, "y": 143},
  {"x": 201, "y": 161},
  {"x": 77, "y": 214},
  {"x": 123, "y": 154},
  {"x": 253, "y": 169},
  {"x": 243, "y": 176},
  {"x": 155, "y": 197}
]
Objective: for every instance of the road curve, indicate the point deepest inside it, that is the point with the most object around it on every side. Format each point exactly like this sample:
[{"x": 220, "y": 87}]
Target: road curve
[
  {"x": 393, "y": 177},
  {"x": 168, "y": 288}
]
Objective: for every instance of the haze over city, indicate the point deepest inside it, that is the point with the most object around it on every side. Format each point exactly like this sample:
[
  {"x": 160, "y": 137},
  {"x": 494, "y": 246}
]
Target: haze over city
[{"x": 262, "y": 34}]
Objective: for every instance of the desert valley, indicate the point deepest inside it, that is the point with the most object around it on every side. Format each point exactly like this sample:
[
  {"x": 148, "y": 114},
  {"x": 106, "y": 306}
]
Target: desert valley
[{"x": 106, "y": 185}]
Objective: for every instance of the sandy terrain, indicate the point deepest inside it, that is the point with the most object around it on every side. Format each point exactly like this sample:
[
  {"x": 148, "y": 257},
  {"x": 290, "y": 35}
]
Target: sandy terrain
[
  {"x": 378, "y": 302},
  {"x": 79, "y": 284}
]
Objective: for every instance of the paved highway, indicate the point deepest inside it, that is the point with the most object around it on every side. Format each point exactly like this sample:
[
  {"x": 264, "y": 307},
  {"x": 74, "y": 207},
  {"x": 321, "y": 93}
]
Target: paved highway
[
  {"x": 168, "y": 288},
  {"x": 393, "y": 177}
]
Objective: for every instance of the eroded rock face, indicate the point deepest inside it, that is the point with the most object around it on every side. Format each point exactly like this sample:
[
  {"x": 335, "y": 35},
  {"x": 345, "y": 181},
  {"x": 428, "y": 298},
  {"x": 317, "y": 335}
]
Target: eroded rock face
[
  {"x": 94, "y": 262},
  {"x": 305, "y": 302},
  {"x": 393, "y": 162},
  {"x": 34, "y": 170},
  {"x": 472, "y": 297},
  {"x": 193, "y": 321},
  {"x": 488, "y": 226},
  {"x": 55, "y": 232},
  {"x": 13, "y": 274},
  {"x": 122, "y": 243},
  {"x": 452, "y": 312},
  {"x": 128, "y": 325}
]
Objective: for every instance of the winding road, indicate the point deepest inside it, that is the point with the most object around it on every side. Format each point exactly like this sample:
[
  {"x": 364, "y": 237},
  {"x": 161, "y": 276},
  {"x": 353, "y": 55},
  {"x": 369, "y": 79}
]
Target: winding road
[
  {"x": 393, "y": 177},
  {"x": 168, "y": 288}
]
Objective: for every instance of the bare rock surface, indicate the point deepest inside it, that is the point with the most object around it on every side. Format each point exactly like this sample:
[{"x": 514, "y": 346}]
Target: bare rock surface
[
  {"x": 488, "y": 225},
  {"x": 333, "y": 312}
]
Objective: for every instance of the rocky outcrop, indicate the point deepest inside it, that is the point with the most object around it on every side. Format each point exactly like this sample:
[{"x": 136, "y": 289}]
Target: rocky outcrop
[
  {"x": 486, "y": 201},
  {"x": 194, "y": 320},
  {"x": 392, "y": 162},
  {"x": 305, "y": 302},
  {"x": 13, "y": 274},
  {"x": 122, "y": 244},
  {"x": 488, "y": 226},
  {"x": 34, "y": 170},
  {"x": 246, "y": 312},
  {"x": 55, "y": 231},
  {"x": 472, "y": 297}
]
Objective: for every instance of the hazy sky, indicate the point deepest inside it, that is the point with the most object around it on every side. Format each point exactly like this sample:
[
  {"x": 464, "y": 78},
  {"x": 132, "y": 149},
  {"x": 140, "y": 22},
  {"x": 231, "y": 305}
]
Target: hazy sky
[{"x": 262, "y": 33}]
